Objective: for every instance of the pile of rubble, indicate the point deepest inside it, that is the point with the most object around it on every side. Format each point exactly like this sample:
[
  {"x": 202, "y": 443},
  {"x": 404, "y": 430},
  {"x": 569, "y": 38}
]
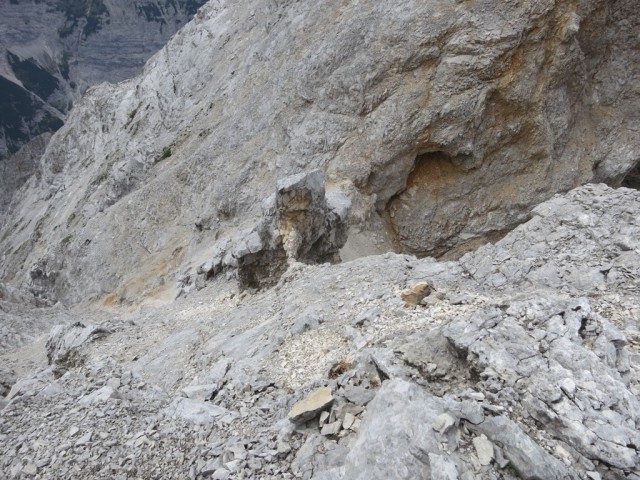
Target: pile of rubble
[{"x": 520, "y": 360}]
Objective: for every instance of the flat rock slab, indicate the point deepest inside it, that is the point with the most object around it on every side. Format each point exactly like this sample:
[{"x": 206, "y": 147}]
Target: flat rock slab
[
  {"x": 311, "y": 406},
  {"x": 200, "y": 392},
  {"x": 101, "y": 395},
  {"x": 396, "y": 437},
  {"x": 484, "y": 449},
  {"x": 200, "y": 413},
  {"x": 529, "y": 459}
]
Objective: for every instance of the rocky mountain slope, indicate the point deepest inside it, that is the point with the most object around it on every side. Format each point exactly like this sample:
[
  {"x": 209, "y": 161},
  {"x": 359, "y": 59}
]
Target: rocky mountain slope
[
  {"x": 222, "y": 268},
  {"x": 522, "y": 362},
  {"x": 51, "y": 51},
  {"x": 443, "y": 122}
]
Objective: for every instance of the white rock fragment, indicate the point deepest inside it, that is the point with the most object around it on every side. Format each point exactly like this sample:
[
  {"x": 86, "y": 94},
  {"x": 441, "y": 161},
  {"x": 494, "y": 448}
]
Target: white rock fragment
[
  {"x": 200, "y": 392},
  {"x": 568, "y": 386},
  {"x": 200, "y": 413},
  {"x": 30, "y": 469},
  {"x": 484, "y": 449},
  {"x": 101, "y": 395},
  {"x": 309, "y": 407},
  {"x": 221, "y": 474},
  {"x": 442, "y": 467},
  {"x": 324, "y": 416},
  {"x": 331, "y": 428},
  {"x": 348, "y": 421},
  {"x": 83, "y": 440},
  {"x": 443, "y": 423}
]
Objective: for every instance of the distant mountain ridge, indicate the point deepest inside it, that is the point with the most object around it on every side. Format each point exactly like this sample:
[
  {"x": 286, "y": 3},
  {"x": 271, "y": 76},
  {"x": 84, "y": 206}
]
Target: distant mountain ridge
[{"x": 53, "y": 50}]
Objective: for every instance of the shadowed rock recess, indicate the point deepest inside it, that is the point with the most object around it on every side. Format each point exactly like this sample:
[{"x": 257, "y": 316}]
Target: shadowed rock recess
[
  {"x": 223, "y": 268},
  {"x": 299, "y": 224}
]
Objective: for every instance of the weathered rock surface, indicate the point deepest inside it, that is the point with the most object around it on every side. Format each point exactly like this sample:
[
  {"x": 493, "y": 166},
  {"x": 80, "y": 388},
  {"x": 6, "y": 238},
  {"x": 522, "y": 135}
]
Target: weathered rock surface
[
  {"x": 64, "y": 342},
  {"x": 16, "y": 170},
  {"x": 200, "y": 413},
  {"x": 525, "y": 365},
  {"x": 299, "y": 224},
  {"x": 527, "y": 457},
  {"x": 444, "y": 122},
  {"x": 51, "y": 51},
  {"x": 437, "y": 125},
  {"x": 311, "y": 406}
]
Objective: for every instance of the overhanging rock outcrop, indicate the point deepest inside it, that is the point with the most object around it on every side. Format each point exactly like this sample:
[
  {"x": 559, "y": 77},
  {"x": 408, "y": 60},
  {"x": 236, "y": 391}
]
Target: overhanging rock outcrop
[{"x": 299, "y": 224}]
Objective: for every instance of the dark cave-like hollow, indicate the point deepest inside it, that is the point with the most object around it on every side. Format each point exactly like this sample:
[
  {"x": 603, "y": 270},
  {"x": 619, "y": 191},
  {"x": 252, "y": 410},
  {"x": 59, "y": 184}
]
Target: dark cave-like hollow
[{"x": 632, "y": 180}]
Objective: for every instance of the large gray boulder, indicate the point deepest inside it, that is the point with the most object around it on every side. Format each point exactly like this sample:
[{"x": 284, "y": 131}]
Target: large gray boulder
[
  {"x": 65, "y": 342},
  {"x": 299, "y": 224},
  {"x": 399, "y": 412}
]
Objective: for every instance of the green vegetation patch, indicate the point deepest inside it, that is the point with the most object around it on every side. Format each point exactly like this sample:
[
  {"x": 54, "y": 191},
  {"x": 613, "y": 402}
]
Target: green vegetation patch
[
  {"x": 166, "y": 153},
  {"x": 32, "y": 76}
]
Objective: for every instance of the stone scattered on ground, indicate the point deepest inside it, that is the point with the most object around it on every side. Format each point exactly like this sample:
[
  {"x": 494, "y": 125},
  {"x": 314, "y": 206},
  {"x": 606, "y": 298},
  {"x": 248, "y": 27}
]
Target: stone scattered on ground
[
  {"x": 525, "y": 365},
  {"x": 311, "y": 406}
]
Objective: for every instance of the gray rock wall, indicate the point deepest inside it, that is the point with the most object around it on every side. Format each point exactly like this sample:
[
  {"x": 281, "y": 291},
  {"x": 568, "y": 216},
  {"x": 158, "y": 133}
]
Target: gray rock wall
[
  {"x": 444, "y": 123},
  {"x": 16, "y": 170}
]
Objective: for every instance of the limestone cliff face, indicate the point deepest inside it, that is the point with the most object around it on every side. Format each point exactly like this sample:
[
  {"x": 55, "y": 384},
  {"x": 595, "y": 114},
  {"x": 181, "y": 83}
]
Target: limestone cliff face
[
  {"x": 51, "y": 51},
  {"x": 443, "y": 121}
]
